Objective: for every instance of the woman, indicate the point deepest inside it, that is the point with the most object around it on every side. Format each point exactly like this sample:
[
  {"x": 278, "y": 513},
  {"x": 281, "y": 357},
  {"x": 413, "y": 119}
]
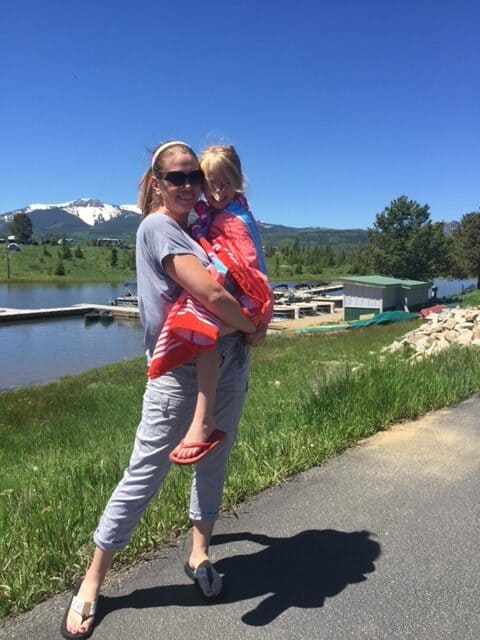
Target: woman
[{"x": 168, "y": 260}]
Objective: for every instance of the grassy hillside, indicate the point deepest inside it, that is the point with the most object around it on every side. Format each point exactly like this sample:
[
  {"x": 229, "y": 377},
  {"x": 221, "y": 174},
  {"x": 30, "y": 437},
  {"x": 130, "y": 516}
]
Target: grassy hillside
[{"x": 40, "y": 263}]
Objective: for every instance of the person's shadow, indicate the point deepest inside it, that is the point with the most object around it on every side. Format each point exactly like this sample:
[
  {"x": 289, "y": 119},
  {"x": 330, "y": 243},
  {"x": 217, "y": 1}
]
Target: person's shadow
[{"x": 300, "y": 571}]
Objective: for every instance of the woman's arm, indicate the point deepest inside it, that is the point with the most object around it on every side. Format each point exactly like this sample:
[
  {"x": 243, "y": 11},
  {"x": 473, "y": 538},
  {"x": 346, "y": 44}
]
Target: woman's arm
[{"x": 192, "y": 276}]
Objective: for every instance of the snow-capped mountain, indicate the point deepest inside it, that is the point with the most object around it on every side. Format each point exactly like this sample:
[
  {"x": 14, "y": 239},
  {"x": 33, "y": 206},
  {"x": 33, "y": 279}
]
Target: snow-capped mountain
[
  {"x": 88, "y": 210},
  {"x": 85, "y": 216}
]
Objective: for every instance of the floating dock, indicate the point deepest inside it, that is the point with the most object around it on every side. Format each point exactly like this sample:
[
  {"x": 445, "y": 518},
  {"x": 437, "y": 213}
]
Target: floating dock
[
  {"x": 293, "y": 310},
  {"x": 19, "y": 315},
  {"x": 296, "y": 309}
]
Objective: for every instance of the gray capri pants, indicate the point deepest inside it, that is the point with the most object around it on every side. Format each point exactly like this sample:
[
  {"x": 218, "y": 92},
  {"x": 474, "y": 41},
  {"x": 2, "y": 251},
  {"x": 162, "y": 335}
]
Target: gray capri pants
[{"x": 168, "y": 405}]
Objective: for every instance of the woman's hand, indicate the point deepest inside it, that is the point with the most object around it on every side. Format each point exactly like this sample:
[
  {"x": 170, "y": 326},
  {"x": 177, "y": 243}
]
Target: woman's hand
[
  {"x": 225, "y": 330},
  {"x": 255, "y": 339}
]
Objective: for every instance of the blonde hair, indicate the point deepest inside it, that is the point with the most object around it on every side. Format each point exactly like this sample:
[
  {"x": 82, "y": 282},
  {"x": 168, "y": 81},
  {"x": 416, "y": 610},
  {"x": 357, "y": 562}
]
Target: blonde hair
[
  {"x": 223, "y": 158},
  {"x": 148, "y": 199}
]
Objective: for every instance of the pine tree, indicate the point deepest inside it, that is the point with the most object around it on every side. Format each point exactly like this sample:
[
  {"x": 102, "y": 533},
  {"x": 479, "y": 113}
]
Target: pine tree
[
  {"x": 60, "y": 267},
  {"x": 21, "y": 227},
  {"x": 404, "y": 243},
  {"x": 466, "y": 241}
]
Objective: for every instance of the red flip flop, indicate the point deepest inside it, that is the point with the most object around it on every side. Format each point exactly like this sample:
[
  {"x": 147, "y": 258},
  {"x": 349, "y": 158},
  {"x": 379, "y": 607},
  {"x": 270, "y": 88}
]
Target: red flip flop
[{"x": 214, "y": 440}]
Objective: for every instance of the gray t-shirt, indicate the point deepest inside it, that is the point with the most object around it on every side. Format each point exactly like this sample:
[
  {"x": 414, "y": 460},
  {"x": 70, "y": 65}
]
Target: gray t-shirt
[{"x": 158, "y": 236}]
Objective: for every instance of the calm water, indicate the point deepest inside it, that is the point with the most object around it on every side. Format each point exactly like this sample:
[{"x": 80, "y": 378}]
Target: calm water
[
  {"x": 44, "y": 296},
  {"x": 36, "y": 352},
  {"x": 448, "y": 288}
]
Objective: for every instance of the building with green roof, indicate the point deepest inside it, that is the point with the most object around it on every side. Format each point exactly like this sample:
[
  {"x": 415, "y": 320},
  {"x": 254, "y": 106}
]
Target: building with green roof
[{"x": 364, "y": 295}]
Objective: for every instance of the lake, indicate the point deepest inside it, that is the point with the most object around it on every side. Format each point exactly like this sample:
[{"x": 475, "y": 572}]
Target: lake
[
  {"x": 447, "y": 288},
  {"x": 37, "y": 352},
  {"x": 44, "y": 296}
]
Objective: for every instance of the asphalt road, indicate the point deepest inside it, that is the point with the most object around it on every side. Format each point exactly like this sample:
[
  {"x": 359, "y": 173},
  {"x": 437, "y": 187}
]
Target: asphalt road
[{"x": 379, "y": 543}]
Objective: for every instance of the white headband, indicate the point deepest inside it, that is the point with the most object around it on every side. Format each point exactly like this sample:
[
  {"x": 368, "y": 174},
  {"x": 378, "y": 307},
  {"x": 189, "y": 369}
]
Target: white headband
[{"x": 162, "y": 147}]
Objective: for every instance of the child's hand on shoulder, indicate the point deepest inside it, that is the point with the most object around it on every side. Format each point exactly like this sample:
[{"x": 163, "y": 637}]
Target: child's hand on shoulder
[{"x": 199, "y": 221}]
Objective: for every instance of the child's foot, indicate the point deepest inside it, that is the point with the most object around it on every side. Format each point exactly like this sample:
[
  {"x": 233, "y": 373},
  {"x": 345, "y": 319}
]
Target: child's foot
[
  {"x": 195, "y": 451},
  {"x": 196, "y": 433}
]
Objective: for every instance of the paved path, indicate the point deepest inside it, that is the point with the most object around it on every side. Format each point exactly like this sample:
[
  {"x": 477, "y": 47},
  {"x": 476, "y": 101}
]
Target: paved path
[{"x": 379, "y": 543}]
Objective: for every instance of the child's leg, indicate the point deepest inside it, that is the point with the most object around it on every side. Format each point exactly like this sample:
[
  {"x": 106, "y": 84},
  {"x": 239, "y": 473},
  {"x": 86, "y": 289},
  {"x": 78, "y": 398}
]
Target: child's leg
[{"x": 203, "y": 422}]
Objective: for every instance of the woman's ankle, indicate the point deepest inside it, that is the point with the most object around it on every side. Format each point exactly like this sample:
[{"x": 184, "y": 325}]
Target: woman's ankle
[
  {"x": 91, "y": 585},
  {"x": 198, "y": 559}
]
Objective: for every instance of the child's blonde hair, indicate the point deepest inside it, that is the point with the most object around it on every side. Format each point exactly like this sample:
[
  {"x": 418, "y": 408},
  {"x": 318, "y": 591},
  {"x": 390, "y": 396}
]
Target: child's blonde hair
[{"x": 223, "y": 158}]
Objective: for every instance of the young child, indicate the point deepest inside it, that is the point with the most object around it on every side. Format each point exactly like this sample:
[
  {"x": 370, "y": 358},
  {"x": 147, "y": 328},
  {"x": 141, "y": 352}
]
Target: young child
[{"x": 226, "y": 228}]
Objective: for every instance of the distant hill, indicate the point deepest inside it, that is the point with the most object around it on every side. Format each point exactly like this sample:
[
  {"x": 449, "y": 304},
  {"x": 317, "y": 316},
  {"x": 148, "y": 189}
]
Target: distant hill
[
  {"x": 125, "y": 224},
  {"x": 347, "y": 239},
  {"x": 56, "y": 222},
  {"x": 87, "y": 218}
]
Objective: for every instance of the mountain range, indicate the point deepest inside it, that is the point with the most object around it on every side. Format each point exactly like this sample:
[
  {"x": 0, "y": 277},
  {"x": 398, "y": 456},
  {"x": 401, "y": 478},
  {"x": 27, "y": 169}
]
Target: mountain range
[
  {"x": 88, "y": 218},
  {"x": 83, "y": 217}
]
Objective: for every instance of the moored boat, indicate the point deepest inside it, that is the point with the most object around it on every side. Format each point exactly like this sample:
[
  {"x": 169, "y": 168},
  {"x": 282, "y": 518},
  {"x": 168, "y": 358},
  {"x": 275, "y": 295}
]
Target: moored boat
[
  {"x": 130, "y": 297},
  {"x": 98, "y": 316}
]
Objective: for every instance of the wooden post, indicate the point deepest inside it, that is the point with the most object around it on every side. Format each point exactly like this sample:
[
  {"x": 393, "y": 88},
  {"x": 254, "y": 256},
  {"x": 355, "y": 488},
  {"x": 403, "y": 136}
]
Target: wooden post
[{"x": 8, "y": 264}]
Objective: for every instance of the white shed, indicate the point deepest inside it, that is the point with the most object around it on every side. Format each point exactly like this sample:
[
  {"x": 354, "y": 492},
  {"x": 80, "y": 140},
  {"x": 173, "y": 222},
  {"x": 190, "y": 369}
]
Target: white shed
[{"x": 375, "y": 294}]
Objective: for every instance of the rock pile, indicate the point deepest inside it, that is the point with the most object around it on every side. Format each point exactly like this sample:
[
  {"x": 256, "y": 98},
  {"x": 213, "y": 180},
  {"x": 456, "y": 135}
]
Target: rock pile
[{"x": 440, "y": 330}]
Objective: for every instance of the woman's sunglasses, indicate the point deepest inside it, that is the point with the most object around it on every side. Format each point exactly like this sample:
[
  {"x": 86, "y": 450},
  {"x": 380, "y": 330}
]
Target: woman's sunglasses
[{"x": 180, "y": 179}]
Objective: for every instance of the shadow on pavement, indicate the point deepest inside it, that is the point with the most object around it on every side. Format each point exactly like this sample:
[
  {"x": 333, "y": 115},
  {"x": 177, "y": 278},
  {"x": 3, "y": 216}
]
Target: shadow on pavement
[{"x": 299, "y": 571}]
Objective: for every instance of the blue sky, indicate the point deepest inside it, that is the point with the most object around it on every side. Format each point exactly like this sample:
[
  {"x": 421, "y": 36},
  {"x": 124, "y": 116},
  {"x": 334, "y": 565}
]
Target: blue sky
[{"x": 336, "y": 108}]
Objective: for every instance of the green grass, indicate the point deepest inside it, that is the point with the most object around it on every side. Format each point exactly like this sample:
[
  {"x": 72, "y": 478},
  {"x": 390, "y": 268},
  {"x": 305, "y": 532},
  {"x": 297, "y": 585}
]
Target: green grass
[
  {"x": 471, "y": 299},
  {"x": 286, "y": 273},
  {"x": 31, "y": 264},
  {"x": 64, "y": 446}
]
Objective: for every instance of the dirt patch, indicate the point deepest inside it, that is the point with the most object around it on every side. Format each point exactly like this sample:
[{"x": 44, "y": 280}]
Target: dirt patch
[
  {"x": 446, "y": 452},
  {"x": 307, "y": 321}
]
